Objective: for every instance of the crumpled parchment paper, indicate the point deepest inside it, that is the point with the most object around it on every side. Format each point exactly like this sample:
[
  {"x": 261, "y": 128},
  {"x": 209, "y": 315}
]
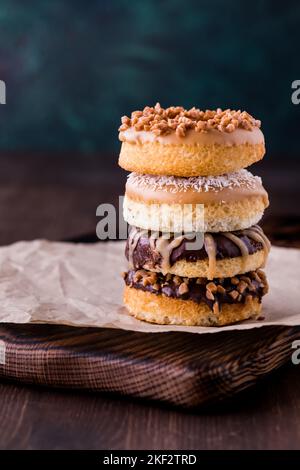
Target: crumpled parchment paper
[{"x": 81, "y": 285}]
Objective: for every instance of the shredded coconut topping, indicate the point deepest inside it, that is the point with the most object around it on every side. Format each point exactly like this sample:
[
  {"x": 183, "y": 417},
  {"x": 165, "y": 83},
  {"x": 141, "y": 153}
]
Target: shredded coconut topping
[
  {"x": 174, "y": 184},
  {"x": 162, "y": 121}
]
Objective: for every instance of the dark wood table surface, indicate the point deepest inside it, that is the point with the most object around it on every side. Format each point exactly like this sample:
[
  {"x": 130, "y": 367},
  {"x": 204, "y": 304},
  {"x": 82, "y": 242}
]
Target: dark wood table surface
[{"x": 55, "y": 197}]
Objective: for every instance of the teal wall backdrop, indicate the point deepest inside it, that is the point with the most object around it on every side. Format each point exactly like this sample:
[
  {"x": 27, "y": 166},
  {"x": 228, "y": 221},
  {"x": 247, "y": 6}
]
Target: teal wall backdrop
[{"x": 72, "y": 68}]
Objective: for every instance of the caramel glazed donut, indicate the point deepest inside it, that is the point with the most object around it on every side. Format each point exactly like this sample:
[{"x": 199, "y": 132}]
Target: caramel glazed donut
[
  {"x": 197, "y": 204},
  {"x": 180, "y": 142}
]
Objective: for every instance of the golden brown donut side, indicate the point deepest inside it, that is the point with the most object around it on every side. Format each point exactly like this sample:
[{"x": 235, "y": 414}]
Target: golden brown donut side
[
  {"x": 218, "y": 217},
  {"x": 188, "y": 160},
  {"x": 164, "y": 310}
]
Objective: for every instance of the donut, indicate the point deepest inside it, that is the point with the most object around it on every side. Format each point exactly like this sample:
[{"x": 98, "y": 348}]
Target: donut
[
  {"x": 179, "y": 142},
  {"x": 197, "y": 204},
  {"x": 171, "y": 299},
  {"x": 212, "y": 255},
  {"x": 194, "y": 249}
]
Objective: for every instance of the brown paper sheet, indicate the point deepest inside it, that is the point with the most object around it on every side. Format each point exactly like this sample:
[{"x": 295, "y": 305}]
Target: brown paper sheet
[{"x": 81, "y": 285}]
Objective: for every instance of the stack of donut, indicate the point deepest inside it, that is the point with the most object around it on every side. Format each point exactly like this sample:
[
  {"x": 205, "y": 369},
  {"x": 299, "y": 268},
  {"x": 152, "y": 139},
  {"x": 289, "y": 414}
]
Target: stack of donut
[{"x": 192, "y": 159}]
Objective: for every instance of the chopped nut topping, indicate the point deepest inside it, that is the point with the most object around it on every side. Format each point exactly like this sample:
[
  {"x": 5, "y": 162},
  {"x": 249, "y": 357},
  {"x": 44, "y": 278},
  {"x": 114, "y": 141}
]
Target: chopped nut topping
[
  {"x": 246, "y": 279},
  {"x": 216, "y": 308},
  {"x": 148, "y": 278},
  {"x": 254, "y": 276},
  {"x": 152, "y": 277},
  {"x": 234, "y": 294},
  {"x": 265, "y": 288},
  {"x": 261, "y": 275},
  {"x": 176, "y": 119},
  {"x": 242, "y": 286},
  {"x": 212, "y": 287},
  {"x": 183, "y": 288},
  {"x": 177, "y": 280},
  {"x": 209, "y": 295},
  {"x": 146, "y": 282},
  {"x": 251, "y": 287},
  {"x": 221, "y": 290},
  {"x": 138, "y": 276}
]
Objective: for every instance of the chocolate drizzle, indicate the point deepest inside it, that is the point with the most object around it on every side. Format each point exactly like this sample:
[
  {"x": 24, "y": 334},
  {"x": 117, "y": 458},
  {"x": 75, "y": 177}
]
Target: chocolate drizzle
[
  {"x": 159, "y": 251},
  {"x": 258, "y": 235},
  {"x": 165, "y": 247},
  {"x": 211, "y": 250}
]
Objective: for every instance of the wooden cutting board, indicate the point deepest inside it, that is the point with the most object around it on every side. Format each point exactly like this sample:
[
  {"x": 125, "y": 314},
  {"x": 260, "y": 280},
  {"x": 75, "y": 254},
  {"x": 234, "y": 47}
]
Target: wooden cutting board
[{"x": 179, "y": 368}]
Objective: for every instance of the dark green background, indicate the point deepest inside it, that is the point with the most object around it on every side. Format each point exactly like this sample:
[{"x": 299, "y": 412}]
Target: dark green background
[{"x": 72, "y": 68}]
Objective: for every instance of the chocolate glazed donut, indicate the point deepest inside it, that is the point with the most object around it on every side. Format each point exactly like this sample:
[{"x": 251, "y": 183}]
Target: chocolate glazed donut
[
  {"x": 220, "y": 291},
  {"x": 163, "y": 255},
  {"x": 193, "y": 301}
]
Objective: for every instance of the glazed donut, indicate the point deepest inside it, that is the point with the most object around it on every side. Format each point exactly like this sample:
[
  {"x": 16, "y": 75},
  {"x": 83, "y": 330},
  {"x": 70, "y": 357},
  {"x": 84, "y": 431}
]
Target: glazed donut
[
  {"x": 194, "y": 250},
  {"x": 197, "y": 204},
  {"x": 217, "y": 254},
  {"x": 180, "y": 301},
  {"x": 178, "y": 142}
]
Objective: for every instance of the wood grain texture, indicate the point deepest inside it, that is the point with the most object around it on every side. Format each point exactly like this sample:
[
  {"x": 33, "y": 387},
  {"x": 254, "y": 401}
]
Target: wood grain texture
[
  {"x": 264, "y": 417},
  {"x": 179, "y": 368}
]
